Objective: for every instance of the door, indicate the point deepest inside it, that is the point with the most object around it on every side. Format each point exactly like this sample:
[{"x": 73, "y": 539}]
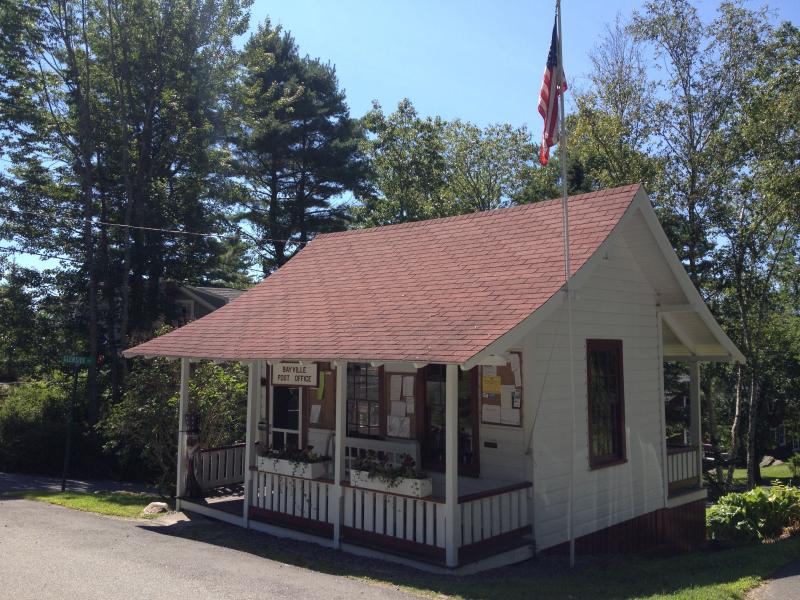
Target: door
[
  {"x": 285, "y": 418},
  {"x": 433, "y": 431}
]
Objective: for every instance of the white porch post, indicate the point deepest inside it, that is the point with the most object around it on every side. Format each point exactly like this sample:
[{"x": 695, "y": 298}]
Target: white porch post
[
  {"x": 452, "y": 521},
  {"x": 338, "y": 453},
  {"x": 695, "y": 426},
  {"x": 253, "y": 389},
  {"x": 183, "y": 405}
]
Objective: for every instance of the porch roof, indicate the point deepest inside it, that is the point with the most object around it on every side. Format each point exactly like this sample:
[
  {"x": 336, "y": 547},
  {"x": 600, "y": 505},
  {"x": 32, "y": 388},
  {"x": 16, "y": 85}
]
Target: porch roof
[{"x": 430, "y": 291}]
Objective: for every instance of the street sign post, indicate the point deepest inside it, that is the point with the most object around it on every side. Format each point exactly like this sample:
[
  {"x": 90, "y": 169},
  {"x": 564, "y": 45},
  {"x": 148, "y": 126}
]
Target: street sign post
[{"x": 76, "y": 362}]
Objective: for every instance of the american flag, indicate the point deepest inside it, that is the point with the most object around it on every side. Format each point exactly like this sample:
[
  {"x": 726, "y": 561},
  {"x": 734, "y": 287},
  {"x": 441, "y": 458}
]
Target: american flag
[{"x": 548, "y": 98}]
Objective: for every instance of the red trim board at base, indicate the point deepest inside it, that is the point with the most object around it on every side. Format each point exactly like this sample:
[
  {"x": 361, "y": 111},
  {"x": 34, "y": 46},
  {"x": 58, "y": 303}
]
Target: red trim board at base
[
  {"x": 494, "y": 545},
  {"x": 679, "y": 529},
  {"x": 298, "y": 523},
  {"x": 393, "y": 545}
]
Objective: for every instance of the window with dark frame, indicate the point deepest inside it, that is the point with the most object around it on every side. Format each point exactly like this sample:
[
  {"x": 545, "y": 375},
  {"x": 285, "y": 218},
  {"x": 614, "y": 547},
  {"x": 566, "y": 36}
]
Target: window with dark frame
[
  {"x": 364, "y": 401},
  {"x": 606, "y": 402}
]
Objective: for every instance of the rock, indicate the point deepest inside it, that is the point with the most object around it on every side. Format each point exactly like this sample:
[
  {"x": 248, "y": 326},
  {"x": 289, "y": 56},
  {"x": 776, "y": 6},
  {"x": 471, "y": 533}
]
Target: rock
[
  {"x": 155, "y": 507},
  {"x": 767, "y": 461}
]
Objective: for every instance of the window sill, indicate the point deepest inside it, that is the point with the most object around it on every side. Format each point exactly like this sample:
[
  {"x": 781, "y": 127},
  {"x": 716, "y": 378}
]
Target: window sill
[{"x": 602, "y": 464}]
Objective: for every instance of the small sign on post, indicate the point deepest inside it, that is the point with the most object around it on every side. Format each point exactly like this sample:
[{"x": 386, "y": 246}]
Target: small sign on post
[
  {"x": 77, "y": 360},
  {"x": 295, "y": 374}
]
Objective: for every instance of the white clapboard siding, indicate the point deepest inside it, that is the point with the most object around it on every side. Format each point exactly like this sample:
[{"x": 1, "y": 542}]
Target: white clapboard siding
[
  {"x": 217, "y": 467},
  {"x": 615, "y": 302}
]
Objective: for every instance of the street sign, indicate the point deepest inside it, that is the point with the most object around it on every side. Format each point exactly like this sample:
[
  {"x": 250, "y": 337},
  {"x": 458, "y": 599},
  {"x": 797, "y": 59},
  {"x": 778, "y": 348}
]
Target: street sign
[{"x": 74, "y": 359}]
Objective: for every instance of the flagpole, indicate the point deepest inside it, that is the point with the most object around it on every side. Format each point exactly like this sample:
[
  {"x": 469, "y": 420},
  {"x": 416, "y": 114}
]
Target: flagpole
[{"x": 562, "y": 147}]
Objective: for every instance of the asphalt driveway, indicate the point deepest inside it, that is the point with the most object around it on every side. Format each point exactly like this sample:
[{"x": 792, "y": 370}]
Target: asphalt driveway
[{"x": 54, "y": 552}]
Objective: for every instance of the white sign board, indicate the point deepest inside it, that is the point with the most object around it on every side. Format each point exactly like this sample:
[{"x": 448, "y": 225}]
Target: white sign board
[{"x": 295, "y": 374}]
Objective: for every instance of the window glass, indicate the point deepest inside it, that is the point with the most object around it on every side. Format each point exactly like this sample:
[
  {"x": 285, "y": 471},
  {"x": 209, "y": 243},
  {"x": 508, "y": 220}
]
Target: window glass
[
  {"x": 363, "y": 400},
  {"x": 606, "y": 401}
]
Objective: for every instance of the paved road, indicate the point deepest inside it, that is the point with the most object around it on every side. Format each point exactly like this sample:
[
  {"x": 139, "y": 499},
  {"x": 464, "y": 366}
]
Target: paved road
[
  {"x": 783, "y": 585},
  {"x": 53, "y": 552}
]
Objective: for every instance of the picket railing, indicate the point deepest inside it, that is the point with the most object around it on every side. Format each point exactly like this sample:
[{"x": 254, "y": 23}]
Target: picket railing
[
  {"x": 217, "y": 467},
  {"x": 681, "y": 466},
  {"x": 294, "y": 497},
  {"x": 415, "y": 520},
  {"x": 494, "y": 513}
]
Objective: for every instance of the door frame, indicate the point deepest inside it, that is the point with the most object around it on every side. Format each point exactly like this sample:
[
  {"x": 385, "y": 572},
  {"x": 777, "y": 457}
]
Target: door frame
[{"x": 300, "y": 424}]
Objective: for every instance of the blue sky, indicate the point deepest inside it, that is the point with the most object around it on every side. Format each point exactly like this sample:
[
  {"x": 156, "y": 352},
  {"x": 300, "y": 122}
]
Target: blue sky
[{"x": 478, "y": 60}]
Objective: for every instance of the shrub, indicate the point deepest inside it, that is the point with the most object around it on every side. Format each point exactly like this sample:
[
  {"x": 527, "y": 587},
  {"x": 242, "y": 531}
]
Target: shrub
[
  {"x": 757, "y": 515},
  {"x": 32, "y": 427},
  {"x": 794, "y": 466}
]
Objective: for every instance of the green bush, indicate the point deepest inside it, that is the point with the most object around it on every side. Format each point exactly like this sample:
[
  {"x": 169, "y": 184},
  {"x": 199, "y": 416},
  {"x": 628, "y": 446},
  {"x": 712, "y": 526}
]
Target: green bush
[
  {"x": 141, "y": 430},
  {"x": 32, "y": 427},
  {"x": 794, "y": 466},
  {"x": 757, "y": 515}
]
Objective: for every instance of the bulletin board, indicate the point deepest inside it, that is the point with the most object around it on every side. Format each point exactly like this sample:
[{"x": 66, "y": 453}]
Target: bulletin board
[
  {"x": 501, "y": 393},
  {"x": 321, "y": 405},
  {"x": 400, "y": 394}
]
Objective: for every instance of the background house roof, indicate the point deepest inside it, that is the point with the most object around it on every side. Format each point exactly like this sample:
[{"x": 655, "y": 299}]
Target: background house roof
[
  {"x": 429, "y": 291},
  {"x": 222, "y": 293}
]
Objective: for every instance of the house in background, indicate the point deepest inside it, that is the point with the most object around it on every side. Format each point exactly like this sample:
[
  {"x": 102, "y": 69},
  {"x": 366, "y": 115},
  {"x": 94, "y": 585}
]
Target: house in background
[
  {"x": 187, "y": 302},
  {"x": 452, "y": 341}
]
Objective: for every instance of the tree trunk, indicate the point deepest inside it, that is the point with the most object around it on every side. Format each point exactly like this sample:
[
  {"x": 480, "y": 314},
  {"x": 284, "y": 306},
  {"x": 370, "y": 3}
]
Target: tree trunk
[
  {"x": 753, "y": 472},
  {"x": 712, "y": 428},
  {"x": 735, "y": 426}
]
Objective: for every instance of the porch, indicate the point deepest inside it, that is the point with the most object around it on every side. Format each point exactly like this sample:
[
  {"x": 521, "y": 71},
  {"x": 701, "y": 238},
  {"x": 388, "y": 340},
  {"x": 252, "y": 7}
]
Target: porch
[
  {"x": 467, "y": 522},
  {"x": 492, "y": 514}
]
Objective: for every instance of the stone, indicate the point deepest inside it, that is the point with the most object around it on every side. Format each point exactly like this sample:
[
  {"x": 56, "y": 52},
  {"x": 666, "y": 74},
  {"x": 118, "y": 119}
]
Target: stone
[{"x": 155, "y": 507}]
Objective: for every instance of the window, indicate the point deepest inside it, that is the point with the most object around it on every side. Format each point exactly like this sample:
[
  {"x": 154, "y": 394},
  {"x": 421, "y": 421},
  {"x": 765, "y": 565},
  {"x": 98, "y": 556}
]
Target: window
[
  {"x": 364, "y": 414},
  {"x": 606, "y": 402}
]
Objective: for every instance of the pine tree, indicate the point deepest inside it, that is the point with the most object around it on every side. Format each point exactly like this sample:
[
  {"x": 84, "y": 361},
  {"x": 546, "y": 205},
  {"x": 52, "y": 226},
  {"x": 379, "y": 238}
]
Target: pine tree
[{"x": 296, "y": 148}]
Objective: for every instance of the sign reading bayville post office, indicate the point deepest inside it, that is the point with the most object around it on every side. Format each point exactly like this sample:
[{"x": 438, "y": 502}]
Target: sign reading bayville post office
[{"x": 294, "y": 374}]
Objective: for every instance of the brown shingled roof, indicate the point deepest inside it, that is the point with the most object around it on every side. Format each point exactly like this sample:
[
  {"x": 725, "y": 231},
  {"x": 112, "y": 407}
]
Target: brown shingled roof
[{"x": 432, "y": 291}]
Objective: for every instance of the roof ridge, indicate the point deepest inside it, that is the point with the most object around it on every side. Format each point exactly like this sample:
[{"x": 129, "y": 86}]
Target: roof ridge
[{"x": 482, "y": 213}]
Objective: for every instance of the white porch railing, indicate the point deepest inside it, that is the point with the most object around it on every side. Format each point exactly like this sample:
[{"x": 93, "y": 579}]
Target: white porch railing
[
  {"x": 492, "y": 515},
  {"x": 415, "y": 520},
  {"x": 217, "y": 467},
  {"x": 681, "y": 466},
  {"x": 311, "y": 499}
]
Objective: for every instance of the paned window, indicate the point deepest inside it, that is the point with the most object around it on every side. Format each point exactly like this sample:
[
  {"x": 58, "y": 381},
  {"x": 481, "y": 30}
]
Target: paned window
[
  {"x": 364, "y": 402},
  {"x": 606, "y": 402}
]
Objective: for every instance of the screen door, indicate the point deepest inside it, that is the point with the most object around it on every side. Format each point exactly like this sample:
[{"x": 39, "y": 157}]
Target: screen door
[{"x": 285, "y": 418}]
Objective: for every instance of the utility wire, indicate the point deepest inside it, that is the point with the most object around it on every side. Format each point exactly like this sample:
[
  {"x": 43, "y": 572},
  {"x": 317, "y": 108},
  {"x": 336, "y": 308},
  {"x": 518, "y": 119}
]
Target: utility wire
[{"x": 143, "y": 228}]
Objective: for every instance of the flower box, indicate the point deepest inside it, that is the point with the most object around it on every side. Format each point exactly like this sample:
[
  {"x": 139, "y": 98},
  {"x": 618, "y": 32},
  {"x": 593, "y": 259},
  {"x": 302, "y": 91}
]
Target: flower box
[
  {"x": 282, "y": 466},
  {"x": 407, "y": 486}
]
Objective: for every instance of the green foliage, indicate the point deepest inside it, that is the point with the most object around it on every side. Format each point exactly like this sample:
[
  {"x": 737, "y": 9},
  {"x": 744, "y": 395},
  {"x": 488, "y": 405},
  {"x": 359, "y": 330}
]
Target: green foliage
[
  {"x": 794, "y": 466},
  {"x": 141, "y": 429},
  {"x": 425, "y": 168},
  {"x": 294, "y": 146},
  {"x": 756, "y": 515},
  {"x": 32, "y": 426}
]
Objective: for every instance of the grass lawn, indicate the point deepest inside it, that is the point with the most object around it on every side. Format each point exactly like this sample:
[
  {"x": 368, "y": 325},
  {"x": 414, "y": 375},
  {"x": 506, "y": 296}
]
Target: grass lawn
[
  {"x": 115, "y": 504},
  {"x": 780, "y": 472},
  {"x": 720, "y": 574},
  {"x": 702, "y": 575}
]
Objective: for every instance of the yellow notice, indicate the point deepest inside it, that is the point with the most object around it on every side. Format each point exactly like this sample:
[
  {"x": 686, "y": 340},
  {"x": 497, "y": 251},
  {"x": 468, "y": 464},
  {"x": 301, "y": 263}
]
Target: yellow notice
[{"x": 491, "y": 384}]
